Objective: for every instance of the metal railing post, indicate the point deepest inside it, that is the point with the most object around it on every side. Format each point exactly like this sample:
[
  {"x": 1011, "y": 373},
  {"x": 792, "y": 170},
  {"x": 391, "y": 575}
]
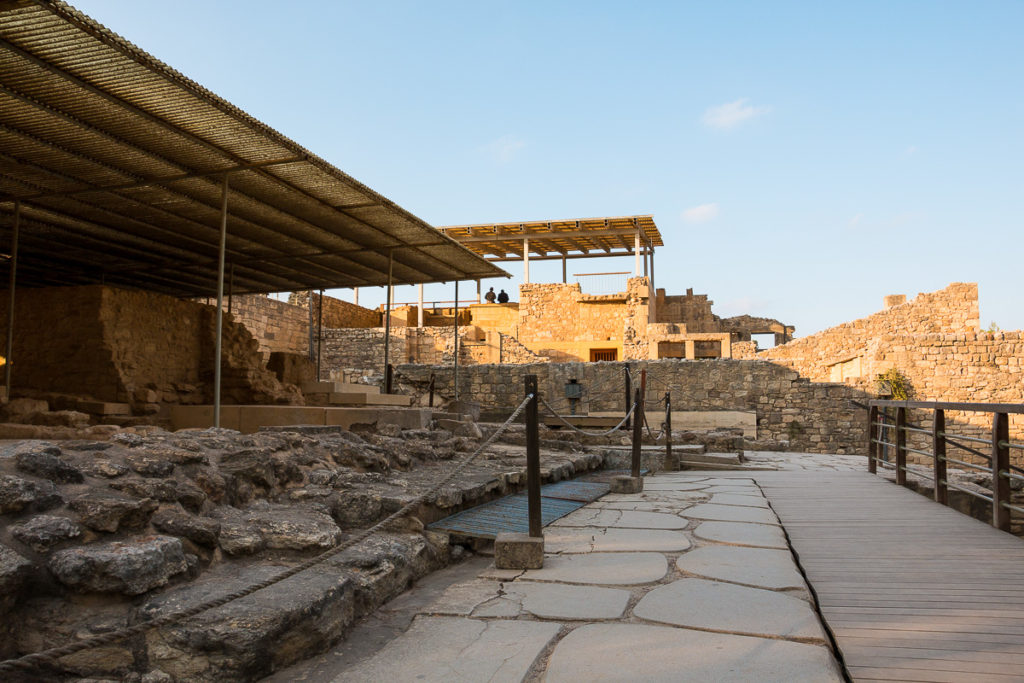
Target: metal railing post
[
  {"x": 389, "y": 378},
  {"x": 638, "y": 434},
  {"x": 901, "y": 446},
  {"x": 668, "y": 431},
  {"x": 629, "y": 394},
  {"x": 1000, "y": 467},
  {"x": 431, "y": 389},
  {"x": 873, "y": 436},
  {"x": 939, "y": 451},
  {"x": 533, "y": 457}
]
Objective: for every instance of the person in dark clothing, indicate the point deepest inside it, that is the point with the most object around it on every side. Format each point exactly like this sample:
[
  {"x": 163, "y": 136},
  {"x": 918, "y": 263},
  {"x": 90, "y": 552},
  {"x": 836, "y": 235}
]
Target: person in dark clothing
[
  {"x": 502, "y": 297},
  {"x": 489, "y": 296}
]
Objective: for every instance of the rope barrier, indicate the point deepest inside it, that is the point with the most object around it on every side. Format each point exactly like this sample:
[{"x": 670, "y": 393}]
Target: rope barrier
[
  {"x": 585, "y": 433},
  {"x": 31, "y": 661}
]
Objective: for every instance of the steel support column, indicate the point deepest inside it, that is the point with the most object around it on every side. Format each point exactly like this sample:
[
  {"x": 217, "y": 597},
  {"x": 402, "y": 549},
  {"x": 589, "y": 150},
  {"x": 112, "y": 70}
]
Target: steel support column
[
  {"x": 636, "y": 253},
  {"x": 526, "y": 260},
  {"x": 456, "y": 366},
  {"x": 12, "y": 284},
  {"x": 319, "y": 334},
  {"x": 309, "y": 300},
  {"x": 387, "y": 316},
  {"x": 419, "y": 305},
  {"x": 220, "y": 300}
]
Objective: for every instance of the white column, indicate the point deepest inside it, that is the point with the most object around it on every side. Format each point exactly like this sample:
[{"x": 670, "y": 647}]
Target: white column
[
  {"x": 636, "y": 253},
  {"x": 526, "y": 260},
  {"x": 419, "y": 305},
  {"x": 479, "y": 296},
  {"x": 355, "y": 299}
]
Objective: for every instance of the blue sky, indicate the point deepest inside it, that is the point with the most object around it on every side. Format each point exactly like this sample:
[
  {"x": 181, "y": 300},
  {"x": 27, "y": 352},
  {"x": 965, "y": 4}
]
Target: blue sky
[{"x": 802, "y": 160}]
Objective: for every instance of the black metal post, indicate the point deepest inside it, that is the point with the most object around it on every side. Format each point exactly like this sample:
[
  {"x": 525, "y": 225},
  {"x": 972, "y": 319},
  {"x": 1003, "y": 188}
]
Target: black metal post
[
  {"x": 319, "y": 334},
  {"x": 873, "y": 435},
  {"x": 389, "y": 378},
  {"x": 901, "y": 446},
  {"x": 638, "y": 433},
  {"x": 629, "y": 394},
  {"x": 668, "y": 431},
  {"x": 387, "y": 311},
  {"x": 431, "y": 388},
  {"x": 455, "y": 381},
  {"x": 939, "y": 450},
  {"x": 1000, "y": 468},
  {"x": 533, "y": 457}
]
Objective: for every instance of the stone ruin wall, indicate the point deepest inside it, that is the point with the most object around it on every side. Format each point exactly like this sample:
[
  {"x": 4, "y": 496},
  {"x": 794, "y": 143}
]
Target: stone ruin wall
[
  {"x": 337, "y": 313},
  {"x": 812, "y": 417},
  {"x": 276, "y": 325},
  {"x": 133, "y": 347}
]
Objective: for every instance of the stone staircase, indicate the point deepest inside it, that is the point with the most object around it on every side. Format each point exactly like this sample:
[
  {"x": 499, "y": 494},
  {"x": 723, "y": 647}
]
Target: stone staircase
[{"x": 348, "y": 394}]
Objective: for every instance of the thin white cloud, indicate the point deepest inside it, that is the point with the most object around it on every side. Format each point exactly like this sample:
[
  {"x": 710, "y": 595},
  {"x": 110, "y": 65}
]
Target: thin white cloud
[
  {"x": 910, "y": 151},
  {"x": 855, "y": 221},
  {"x": 701, "y": 214},
  {"x": 504, "y": 149},
  {"x": 732, "y": 114}
]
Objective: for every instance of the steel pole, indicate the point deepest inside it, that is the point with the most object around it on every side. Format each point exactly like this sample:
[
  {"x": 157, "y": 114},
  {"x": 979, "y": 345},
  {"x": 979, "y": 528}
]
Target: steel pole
[
  {"x": 668, "y": 432},
  {"x": 638, "y": 433},
  {"x": 319, "y": 334},
  {"x": 309, "y": 326},
  {"x": 220, "y": 301},
  {"x": 456, "y": 340},
  {"x": 419, "y": 305},
  {"x": 12, "y": 283},
  {"x": 387, "y": 319},
  {"x": 533, "y": 458}
]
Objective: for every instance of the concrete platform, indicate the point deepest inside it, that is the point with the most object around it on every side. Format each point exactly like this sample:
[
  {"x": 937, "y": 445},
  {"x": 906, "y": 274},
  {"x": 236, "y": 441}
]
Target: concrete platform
[
  {"x": 248, "y": 419},
  {"x": 337, "y": 387}
]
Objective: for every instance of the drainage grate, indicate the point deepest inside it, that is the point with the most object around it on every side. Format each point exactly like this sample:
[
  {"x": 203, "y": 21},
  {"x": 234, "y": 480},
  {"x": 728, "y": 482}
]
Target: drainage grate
[{"x": 510, "y": 514}]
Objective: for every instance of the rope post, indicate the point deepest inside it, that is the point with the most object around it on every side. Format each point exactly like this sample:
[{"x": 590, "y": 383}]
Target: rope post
[
  {"x": 533, "y": 457},
  {"x": 901, "y": 446},
  {"x": 669, "y": 462},
  {"x": 629, "y": 395},
  {"x": 1000, "y": 468},
  {"x": 939, "y": 450},
  {"x": 433, "y": 378},
  {"x": 873, "y": 436},
  {"x": 638, "y": 435}
]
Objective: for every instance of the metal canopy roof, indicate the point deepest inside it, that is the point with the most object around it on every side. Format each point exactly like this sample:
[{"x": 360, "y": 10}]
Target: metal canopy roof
[
  {"x": 579, "y": 238},
  {"x": 119, "y": 163}
]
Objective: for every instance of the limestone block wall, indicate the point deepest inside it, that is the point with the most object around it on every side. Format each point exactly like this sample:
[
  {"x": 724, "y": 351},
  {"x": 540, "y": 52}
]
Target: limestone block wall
[
  {"x": 693, "y": 310},
  {"x": 813, "y": 417},
  {"x": 355, "y": 351},
  {"x": 132, "y": 347},
  {"x": 953, "y": 310},
  {"x": 276, "y": 325},
  {"x": 337, "y": 313}
]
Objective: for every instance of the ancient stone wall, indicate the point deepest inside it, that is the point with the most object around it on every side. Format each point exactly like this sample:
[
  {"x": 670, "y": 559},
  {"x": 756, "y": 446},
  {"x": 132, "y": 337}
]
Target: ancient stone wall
[
  {"x": 692, "y": 310},
  {"x": 812, "y": 417},
  {"x": 276, "y": 325},
  {"x": 132, "y": 347},
  {"x": 953, "y": 310},
  {"x": 354, "y": 352},
  {"x": 337, "y": 313}
]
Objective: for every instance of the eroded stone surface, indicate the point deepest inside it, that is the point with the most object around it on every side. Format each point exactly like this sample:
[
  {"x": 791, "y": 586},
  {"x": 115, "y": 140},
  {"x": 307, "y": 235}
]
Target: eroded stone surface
[
  {"x": 585, "y": 540},
  {"x": 699, "y": 603},
  {"x": 763, "y": 567},
  {"x": 457, "y": 649},
  {"x": 635, "y": 652},
  {"x": 731, "y": 513},
  {"x": 738, "y": 499},
  {"x": 742, "y": 533},
  {"x": 617, "y": 569},
  {"x": 44, "y": 531},
  {"x": 623, "y": 519},
  {"x": 129, "y": 567}
]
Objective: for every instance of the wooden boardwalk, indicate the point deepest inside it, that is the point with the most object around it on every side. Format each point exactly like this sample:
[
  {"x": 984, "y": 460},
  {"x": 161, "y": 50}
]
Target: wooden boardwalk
[{"x": 912, "y": 590}]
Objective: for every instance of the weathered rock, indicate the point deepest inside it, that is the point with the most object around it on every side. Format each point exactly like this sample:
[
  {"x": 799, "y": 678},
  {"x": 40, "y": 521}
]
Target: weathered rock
[
  {"x": 109, "y": 512},
  {"x": 42, "y": 459},
  {"x": 287, "y": 528},
  {"x": 45, "y": 531},
  {"x": 236, "y": 536},
  {"x": 149, "y": 465},
  {"x": 131, "y": 567},
  {"x": 252, "y": 464},
  {"x": 107, "y": 469},
  {"x": 59, "y": 418},
  {"x": 75, "y": 445},
  {"x": 200, "y": 530},
  {"x": 166, "y": 490},
  {"x": 14, "y": 572},
  {"x": 355, "y": 509},
  {"x": 17, "y": 494},
  {"x": 18, "y": 408}
]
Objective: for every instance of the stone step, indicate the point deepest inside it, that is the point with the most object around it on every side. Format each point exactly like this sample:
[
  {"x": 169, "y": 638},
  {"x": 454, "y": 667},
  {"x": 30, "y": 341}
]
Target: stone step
[
  {"x": 340, "y": 398},
  {"x": 104, "y": 408},
  {"x": 337, "y": 387}
]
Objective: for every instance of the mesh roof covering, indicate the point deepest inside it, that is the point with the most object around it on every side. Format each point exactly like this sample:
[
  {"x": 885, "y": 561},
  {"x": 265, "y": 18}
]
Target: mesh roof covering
[
  {"x": 119, "y": 163},
  {"x": 577, "y": 238}
]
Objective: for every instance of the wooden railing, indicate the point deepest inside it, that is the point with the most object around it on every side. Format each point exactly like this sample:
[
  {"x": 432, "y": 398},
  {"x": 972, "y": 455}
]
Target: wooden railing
[{"x": 888, "y": 427}]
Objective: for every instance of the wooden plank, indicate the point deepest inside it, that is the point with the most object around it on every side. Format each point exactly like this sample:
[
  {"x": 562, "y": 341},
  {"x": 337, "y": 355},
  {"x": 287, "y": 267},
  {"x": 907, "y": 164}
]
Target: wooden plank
[{"x": 911, "y": 590}]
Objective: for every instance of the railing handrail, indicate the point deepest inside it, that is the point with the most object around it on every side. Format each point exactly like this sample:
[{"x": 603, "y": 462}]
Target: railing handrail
[{"x": 1017, "y": 408}]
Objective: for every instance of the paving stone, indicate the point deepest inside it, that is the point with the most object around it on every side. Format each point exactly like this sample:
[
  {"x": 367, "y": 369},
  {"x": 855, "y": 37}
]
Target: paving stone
[
  {"x": 699, "y": 603},
  {"x": 731, "y": 513},
  {"x": 755, "y": 566},
  {"x": 722, "y": 481},
  {"x": 576, "y": 540},
  {"x": 613, "y": 569},
  {"x": 634, "y": 652},
  {"x": 457, "y": 649},
  {"x": 741, "y": 490},
  {"x": 742, "y": 533},
  {"x": 738, "y": 499},
  {"x": 488, "y": 599},
  {"x": 622, "y": 519}
]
